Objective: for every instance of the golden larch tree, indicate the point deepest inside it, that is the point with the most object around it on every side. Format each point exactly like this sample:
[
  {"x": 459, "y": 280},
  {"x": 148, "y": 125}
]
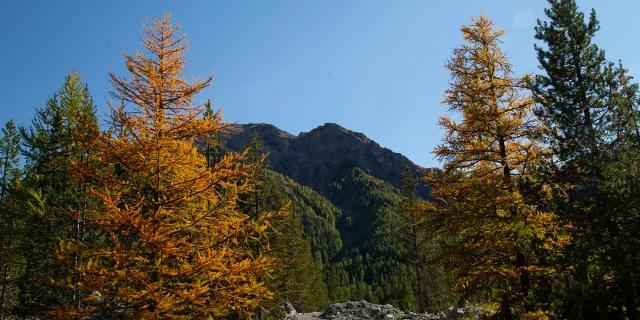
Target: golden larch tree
[
  {"x": 175, "y": 239},
  {"x": 487, "y": 197}
]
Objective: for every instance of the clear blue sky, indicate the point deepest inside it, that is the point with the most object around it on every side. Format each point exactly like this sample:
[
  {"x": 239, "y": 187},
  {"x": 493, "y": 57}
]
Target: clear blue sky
[{"x": 374, "y": 67}]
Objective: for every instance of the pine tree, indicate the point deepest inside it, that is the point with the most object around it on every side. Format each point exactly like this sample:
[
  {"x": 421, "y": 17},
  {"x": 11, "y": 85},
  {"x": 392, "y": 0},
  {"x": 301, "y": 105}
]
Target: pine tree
[
  {"x": 177, "y": 241},
  {"x": 571, "y": 96},
  {"x": 488, "y": 155},
  {"x": 590, "y": 109},
  {"x": 10, "y": 223}
]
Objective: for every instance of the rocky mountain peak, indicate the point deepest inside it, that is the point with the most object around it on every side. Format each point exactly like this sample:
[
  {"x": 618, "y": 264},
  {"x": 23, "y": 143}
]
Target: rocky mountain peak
[
  {"x": 263, "y": 129},
  {"x": 332, "y": 130},
  {"x": 313, "y": 158}
]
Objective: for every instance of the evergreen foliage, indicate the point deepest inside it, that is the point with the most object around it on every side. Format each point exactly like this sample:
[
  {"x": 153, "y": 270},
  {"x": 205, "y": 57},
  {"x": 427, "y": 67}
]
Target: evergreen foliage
[
  {"x": 11, "y": 261},
  {"x": 590, "y": 109},
  {"x": 371, "y": 265},
  {"x": 430, "y": 283},
  {"x": 50, "y": 198},
  {"x": 534, "y": 215},
  {"x": 300, "y": 280}
]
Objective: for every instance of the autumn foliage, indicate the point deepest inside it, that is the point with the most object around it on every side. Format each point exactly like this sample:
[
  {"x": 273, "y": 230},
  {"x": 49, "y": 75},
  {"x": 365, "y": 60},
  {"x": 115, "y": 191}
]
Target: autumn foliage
[
  {"x": 488, "y": 198},
  {"x": 175, "y": 241},
  {"x": 159, "y": 211}
]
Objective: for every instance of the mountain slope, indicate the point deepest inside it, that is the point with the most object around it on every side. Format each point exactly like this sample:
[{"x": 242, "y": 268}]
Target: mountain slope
[
  {"x": 348, "y": 207},
  {"x": 312, "y": 158},
  {"x": 317, "y": 215}
]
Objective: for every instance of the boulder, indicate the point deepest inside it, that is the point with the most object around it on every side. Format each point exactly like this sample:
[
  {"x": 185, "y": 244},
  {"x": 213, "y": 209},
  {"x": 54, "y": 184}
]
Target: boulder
[{"x": 363, "y": 310}]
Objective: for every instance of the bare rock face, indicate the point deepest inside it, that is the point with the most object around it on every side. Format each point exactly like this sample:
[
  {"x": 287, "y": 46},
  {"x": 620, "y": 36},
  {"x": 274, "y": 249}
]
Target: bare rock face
[{"x": 313, "y": 158}]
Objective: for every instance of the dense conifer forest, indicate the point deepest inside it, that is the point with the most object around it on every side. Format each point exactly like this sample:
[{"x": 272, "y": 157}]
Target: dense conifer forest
[{"x": 161, "y": 210}]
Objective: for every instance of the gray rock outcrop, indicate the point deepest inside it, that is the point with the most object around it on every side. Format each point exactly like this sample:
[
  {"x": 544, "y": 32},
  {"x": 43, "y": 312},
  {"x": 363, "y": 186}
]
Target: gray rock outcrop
[{"x": 363, "y": 310}]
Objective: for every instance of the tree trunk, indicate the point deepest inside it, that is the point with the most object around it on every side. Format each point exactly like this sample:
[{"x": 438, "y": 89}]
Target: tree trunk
[
  {"x": 2, "y": 240},
  {"x": 521, "y": 261},
  {"x": 504, "y": 313},
  {"x": 5, "y": 279},
  {"x": 421, "y": 301}
]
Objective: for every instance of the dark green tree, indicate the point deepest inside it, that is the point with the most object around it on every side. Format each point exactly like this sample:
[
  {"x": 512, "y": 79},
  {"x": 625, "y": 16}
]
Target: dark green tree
[
  {"x": 210, "y": 150},
  {"x": 421, "y": 249},
  {"x": 580, "y": 91},
  {"x": 51, "y": 146},
  {"x": 412, "y": 232},
  {"x": 589, "y": 108},
  {"x": 372, "y": 263},
  {"x": 301, "y": 279},
  {"x": 10, "y": 257}
]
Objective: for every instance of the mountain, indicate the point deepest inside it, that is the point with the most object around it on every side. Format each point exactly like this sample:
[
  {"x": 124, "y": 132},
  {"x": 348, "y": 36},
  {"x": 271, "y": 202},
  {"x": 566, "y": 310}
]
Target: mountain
[
  {"x": 344, "y": 189},
  {"x": 313, "y": 158}
]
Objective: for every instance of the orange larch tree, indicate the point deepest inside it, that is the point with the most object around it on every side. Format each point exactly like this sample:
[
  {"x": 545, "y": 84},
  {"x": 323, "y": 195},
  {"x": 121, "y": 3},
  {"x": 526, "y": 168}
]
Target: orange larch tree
[
  {"x": 487, "y": 198},
  {"x": 175, "y": 241}
]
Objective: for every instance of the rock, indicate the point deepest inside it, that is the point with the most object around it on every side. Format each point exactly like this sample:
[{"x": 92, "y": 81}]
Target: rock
[
  {"x": 287, "y": 311},
  {"x": 313, "y": 158},
  {"x": 361, "y": 310}
]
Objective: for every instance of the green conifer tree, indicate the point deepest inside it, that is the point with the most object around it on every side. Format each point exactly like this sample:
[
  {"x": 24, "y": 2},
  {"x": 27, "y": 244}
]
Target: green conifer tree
[
  {"x": 412, "y": 232},
  {"x": 300, "y": 280},
  {"x": 421, "y": 249},
  {"x": 10, "y": 258},
  {"x": 51, "y": 147},
  {"x": 589, "y": 108}
]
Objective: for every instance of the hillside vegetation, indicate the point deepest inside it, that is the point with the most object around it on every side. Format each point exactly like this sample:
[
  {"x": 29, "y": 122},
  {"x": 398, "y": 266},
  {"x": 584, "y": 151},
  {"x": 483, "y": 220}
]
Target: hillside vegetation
[{"x": 165, "y": 211}]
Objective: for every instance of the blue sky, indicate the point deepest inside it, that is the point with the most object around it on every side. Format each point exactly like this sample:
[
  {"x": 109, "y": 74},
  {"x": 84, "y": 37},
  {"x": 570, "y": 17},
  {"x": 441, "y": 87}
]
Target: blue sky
[{"x": 374, "y": 67}]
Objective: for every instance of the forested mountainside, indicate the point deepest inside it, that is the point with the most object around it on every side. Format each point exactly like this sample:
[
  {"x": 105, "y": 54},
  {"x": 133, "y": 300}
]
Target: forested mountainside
[
  {"x": 345, "y": 189},
  {"x": 164, "y": 211}
]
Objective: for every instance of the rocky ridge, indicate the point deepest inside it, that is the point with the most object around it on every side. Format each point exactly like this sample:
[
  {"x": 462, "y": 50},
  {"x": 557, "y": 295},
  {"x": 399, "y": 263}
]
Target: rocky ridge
[{"x": 312, "y": 158}]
